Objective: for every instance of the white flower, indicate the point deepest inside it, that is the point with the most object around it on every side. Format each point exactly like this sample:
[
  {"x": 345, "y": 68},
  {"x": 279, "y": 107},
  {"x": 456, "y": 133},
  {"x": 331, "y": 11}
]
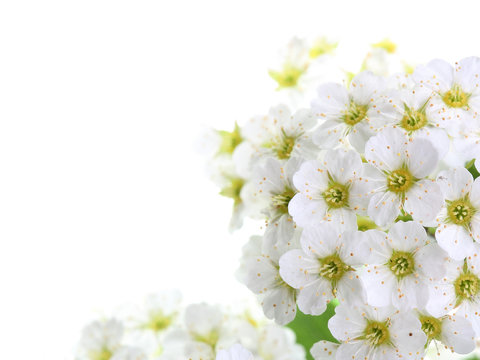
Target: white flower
[
  {"x": 235, "y": 352},
  {"x": 456, "y": 100},
  {"x": 282, "y": 134},
  {"x": 101, "y": 339},
  {"x": 330, "y": 190},
  {"x": 452, "y": 332},
  {"x": 274, "y": 188},
  {"x": 402, "y": 180},
  {"x": 459, "y": 219},
  {"x": 382, "y": 59},
  {"x": 402, "y": 265},
  {"x": 459, "y": 289},
  {"x": 346, "y": 112},
  {"x": 407, "y": 110},
  {"x": 325, "y": 267},
  {"x": 150, "y": 322},
  {"x": 376, "y": 333},
  {"x": 262, "y": 277},
  {"x": 204, "y": 322}
]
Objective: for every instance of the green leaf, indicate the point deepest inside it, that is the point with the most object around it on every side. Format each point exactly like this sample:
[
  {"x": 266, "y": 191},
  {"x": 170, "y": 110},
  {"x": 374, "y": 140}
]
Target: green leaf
[
  {"x": 470, "y": 166},
  {"x": 473, "y": 357},
  {"x": 311, "y": 329}
]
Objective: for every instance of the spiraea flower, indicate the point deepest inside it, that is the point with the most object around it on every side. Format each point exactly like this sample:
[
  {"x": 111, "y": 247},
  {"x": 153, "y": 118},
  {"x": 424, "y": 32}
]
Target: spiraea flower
[
  {"x": 262, "y": 277},
  {"x": 345, "y": 112},
  {"x": 448, "y": 331},
  {"x": 103, "y": 340},
  {"x": 275, "y": 189},
  {"x": 402, "y": 177},
  {"x": 376, "y": 333},
  {"x": 406, "y": 109},
  {"x": 459, "y": 219},
  {"x": 325, "y": 267},
  {"x": 459, "y": 290},
  {"x": 330, "y": 190},
  {"x": 402, "y": 265},
  {"x": 281, "y": 134},
  {"x": 455, "y": 103}
]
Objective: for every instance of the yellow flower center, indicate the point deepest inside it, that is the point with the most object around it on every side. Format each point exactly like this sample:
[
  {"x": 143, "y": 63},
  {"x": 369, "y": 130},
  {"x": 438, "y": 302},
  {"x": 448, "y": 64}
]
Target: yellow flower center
[
  {"x": 460, "y": 211},
  {"x": 399, "y": 181},
  {"x": 401, "y": 263},
  {"x": 376, "y": 333},
  {"x": 466, "y": 287},
  {"x": 355, "y": 113},
  {"x": 456, "y": 97},
  {"x": 413, "y": 120},
  {"x": 288, "y": 77},
  {"x": 281, "y": 201},
  {"x": 432, "y": 327},
  {"x": 336, "y": 196}
]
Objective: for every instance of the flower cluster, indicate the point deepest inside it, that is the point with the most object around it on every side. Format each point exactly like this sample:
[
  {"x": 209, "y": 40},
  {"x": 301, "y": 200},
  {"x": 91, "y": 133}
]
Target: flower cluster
[
  {"x": 163, "y": 330},
  {"x": 368, "y": 199}
]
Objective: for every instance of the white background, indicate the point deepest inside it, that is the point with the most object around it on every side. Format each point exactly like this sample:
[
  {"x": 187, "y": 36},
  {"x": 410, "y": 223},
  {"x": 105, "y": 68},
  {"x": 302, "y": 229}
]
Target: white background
[{"x": 102, "y": 196}]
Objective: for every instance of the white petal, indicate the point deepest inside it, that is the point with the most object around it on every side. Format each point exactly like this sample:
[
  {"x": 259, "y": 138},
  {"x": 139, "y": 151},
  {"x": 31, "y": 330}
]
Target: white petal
[
  {"x": 380, "y": 283},
  {"x": 329, "y": 134},
  {"x": 475, "y": 194},
  {"x": 311, "y": 179},
  {"x": 359, "y": 135},
  {"x": 423, "y": 201},
  {"x": 297, "y": 269},
  {"x": 331, "y": 100},
  {"x": 306, "y": 211},
  {"x": 437, "y": 74},
  {"x": 313, "y": 299},
  {"x": 455, "y": 183},
  {"x": 423, "y": 157},
  {"x": 279, "y": 304},
  {"x": 324, "y": 350},
  {"x": 384, "y": 208},
  {"x": 342, "y": 165},
  {"x": 366, "y": 86},
  {"x": 455, "y": 240},
  {"x": 458, "y": 334},
  {"x": 321, "y": 240},
  {"x": 431, "y": 261},
  {"x": 407, "y": 236},
  {"x": 387, "y": 149},
  {"x": 347, "y": 323},
  {"x": 407, "y": 334},
  {"x": 353, "y": 350}
]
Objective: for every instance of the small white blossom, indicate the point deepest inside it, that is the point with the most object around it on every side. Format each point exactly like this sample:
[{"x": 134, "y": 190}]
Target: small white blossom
[
  {"x": 274, "y": 188},
  {"x": 459, "y": 219},
  {"x": 262, "y": 277},
  {"x": 324, "y": 268},
  {"x": 281, "y": 134},
  {"x": 346, "y": 112},
  {"x": 402, "y": 181},
  {"x": 456, "y": 93},
  {"x": 448, "y": 331},
  {"x": 402, "y": 264},
  {"x": 406, "y": 109},
  {"x": 459, "y": 290},
  {"x": 330, "y": 190}
]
